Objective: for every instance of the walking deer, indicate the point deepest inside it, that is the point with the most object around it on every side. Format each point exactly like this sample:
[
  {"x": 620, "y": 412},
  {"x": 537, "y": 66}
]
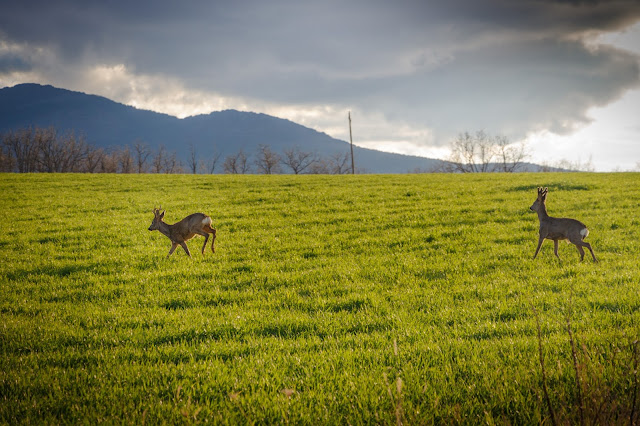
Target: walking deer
[
  {"x": 556, "y": 229},
  {"x": 187, "y": 228}
]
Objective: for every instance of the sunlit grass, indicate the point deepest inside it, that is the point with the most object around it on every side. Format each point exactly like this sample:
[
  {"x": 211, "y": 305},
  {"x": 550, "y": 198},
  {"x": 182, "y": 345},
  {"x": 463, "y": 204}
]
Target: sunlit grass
[{"x": 331, "y": 299}]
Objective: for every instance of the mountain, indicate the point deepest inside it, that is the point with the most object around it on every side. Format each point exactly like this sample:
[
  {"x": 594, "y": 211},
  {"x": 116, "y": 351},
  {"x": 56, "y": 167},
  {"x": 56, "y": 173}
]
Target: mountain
[{"x": 105, "y": 123}]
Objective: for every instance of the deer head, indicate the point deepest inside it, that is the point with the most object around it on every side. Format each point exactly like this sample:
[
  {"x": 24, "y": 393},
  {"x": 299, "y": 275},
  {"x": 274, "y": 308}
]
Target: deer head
[
  {"x": 542, "y": 197},
  {"x": 157, "y": 218}
]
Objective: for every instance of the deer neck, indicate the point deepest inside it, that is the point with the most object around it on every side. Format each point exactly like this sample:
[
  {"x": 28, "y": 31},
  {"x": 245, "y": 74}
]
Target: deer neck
[
  {"x": 542, "y": 212},
  {"x": 165, "y": 229}
]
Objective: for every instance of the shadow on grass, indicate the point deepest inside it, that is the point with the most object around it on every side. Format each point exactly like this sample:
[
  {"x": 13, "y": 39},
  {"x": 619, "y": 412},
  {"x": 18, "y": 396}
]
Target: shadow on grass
[
  {"x": 52, "y": 271},
  {"x": 558, "y": 186}
]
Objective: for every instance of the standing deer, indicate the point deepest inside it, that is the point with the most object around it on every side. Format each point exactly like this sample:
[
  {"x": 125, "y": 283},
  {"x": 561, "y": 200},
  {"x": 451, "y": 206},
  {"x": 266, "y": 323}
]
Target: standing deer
[
  {"x": 556, "y": 229},
  {"x": 187, "y": 228}
]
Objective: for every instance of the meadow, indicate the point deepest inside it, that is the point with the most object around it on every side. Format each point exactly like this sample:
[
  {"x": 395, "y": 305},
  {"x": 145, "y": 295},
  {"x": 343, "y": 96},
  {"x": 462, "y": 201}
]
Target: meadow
[{"x": 400, "y": 299}]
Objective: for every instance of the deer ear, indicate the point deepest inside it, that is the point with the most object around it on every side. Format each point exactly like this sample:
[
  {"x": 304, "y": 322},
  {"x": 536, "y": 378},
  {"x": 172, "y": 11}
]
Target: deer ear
[{"x": 161, "y": 215}]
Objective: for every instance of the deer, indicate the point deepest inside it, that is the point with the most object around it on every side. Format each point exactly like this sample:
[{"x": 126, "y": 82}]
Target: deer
[
  {"x": 179, "y": 233},
  {"x": 556, "y": 229}
]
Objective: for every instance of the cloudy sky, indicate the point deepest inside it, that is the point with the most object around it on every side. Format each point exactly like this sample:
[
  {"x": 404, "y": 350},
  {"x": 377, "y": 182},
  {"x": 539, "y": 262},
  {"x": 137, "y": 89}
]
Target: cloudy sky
[{"x": 562, "y": 75}]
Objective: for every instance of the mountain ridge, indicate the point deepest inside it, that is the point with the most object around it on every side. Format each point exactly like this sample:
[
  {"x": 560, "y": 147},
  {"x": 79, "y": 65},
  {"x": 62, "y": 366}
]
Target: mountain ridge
[{"x": 109, "y": 124}]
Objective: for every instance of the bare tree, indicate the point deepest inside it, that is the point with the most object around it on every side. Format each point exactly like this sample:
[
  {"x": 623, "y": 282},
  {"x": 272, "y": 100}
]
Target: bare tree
[
  {"x": 268, "y": 162},
  {"x": 142, "y": 153},
  {"x": 50, "y": 150},
  {"x": 480, "y": 153},
  {"x": 298, "y": 161},
  {"x": 214, "y": 160},
  {"x": 61, "y": 154},
  {"x": 237, "y": 163},
  {"x": 340, "y": 163},
  {"x": 230, "y": 165},
  {"x": 109, "y": 163},
  {"x": 23, "y": 147},
  {"x": 575, "y": 166},
  {"x": 159, "y": 159},
  {"x": 172, "y": 164},
  {"x": 243, "y": 162},
  {"x": 485, "y": 151},
  {"x": 510, "y": 156},
  {"x": 7, "y": 162},
  {"x": 93, "y": 159},
  {"x": 321, "y": 166},
  {"x": 463, "y": 154},
  {"x": 193, "y": 159},
  {"x": 336, "y": 163},
  {"x": 125, "y": 160},
  {"x": 77, "y": 149},
  {"x": 44, "y": 150}
]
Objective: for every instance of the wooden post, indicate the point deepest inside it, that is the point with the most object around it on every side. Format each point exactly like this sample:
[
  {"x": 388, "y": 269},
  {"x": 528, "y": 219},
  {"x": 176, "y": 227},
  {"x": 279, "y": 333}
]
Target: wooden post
[{"x": 353, "y": 167}]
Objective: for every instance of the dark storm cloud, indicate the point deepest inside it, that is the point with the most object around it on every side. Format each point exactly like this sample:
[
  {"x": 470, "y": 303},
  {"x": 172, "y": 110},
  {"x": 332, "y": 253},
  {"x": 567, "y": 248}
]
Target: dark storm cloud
[
  {"x": 12, "y": 62},
  {"x": 451, "y": 65}
]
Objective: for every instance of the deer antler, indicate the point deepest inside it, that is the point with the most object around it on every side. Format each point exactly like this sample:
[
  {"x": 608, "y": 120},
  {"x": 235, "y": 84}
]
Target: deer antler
[{"x": 542, "y": 191}]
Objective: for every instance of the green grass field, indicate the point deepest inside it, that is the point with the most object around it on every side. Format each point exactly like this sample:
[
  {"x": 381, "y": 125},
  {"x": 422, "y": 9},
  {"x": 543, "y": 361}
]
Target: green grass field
[{"x": 366, "y": 299}]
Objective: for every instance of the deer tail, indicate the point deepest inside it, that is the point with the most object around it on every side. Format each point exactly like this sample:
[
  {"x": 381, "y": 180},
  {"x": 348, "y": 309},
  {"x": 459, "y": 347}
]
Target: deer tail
[
  {"x": 584, "y": 232},
  {"x": 206, "y": 225}
]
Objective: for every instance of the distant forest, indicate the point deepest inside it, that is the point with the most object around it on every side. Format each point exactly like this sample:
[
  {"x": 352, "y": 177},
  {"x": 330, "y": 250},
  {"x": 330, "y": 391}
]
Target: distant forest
[{"x": 45, "y": 150}]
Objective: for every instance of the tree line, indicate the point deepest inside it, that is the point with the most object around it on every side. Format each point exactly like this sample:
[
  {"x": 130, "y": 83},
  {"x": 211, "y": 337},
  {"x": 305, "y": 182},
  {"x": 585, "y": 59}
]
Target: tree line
[
  {"x": 483, "y": 153},
  {"x": 45, "y": 150}
]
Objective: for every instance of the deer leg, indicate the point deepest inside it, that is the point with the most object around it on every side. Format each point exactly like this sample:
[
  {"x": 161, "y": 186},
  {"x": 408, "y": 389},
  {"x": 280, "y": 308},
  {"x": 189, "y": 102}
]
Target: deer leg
[
  {"x": 173, "y": 248},
  {"x": 555, "y": 248},
  {"x": 213, "y": 249},
  {"x": 587, "y": 245},
  {"x": 206, "y": 238},
  {"x": 540, "y": 240},
  {"x": 186, "y": 249},
  {"x": 581, "y": 252},
  {"x": 205, "y": 234}
]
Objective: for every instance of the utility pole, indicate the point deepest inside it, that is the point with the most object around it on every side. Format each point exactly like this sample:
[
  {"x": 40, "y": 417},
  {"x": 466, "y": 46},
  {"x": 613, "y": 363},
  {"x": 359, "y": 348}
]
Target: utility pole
[{"x": 353, "y": 166}]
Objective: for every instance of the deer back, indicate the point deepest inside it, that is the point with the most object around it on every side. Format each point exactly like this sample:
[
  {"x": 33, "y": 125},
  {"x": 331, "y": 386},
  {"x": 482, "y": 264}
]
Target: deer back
[
  {"x": 193, "y": 222},
  {"x": 564, "y": 229}
]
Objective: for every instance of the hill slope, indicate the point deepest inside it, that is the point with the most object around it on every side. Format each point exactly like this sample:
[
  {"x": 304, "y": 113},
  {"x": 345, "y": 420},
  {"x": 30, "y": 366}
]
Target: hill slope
[{"x": 107, "y": 124}]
